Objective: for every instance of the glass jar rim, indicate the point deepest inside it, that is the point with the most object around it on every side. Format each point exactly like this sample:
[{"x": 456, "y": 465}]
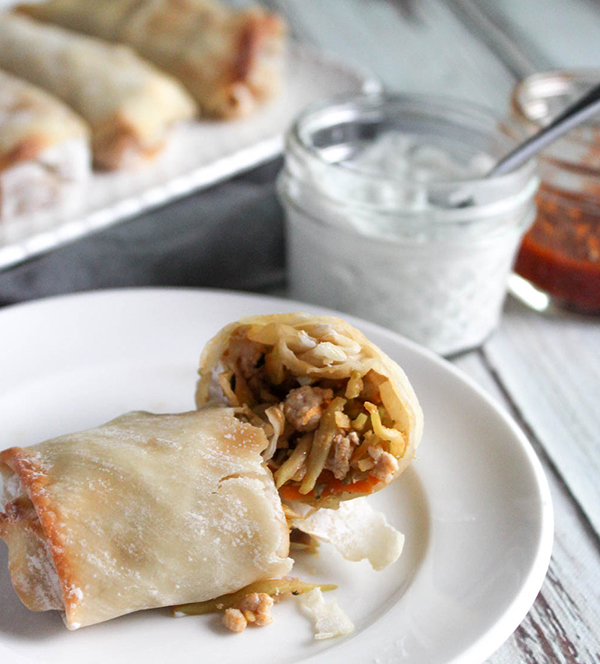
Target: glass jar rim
[
  {"x": 545, "y": 85},
  {"x": 375, "y": 101},
  {"x": 433, "y": 115}
]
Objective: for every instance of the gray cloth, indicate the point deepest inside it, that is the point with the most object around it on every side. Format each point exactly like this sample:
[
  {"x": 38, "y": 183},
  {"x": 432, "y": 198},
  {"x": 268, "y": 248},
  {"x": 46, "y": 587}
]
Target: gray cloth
[{"x": 228, "y": 236}]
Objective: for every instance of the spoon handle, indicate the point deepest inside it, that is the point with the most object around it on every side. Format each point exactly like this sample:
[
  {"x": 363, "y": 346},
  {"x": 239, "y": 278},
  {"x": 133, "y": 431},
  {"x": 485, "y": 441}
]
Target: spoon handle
[{"x": 572, "y": 116}]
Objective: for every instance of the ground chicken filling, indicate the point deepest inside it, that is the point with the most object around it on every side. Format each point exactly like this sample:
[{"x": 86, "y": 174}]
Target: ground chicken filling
[
  {"x": 254, "y": 608},
  {"x": 323, "y": 433}
]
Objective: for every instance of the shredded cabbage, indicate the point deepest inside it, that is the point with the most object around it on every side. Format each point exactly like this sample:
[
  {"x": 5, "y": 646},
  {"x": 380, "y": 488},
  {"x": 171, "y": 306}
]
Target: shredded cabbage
[
  {"x": 385, "y": 433},
  {"x": 295, "y": 461},
  {"x": 277, "y": 421},
  {"x": 321, "y": 445}
]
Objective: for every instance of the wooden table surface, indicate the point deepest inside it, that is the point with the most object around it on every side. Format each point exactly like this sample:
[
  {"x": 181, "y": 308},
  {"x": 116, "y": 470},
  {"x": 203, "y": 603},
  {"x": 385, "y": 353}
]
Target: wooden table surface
[{"x": 545, "y": 370}]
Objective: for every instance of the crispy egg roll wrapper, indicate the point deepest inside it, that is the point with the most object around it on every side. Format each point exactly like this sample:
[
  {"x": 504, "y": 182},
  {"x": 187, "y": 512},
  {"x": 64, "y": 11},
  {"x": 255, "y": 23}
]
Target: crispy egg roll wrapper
[
  {"x": 142, "y": 512},
  {"x": 44, "y": 151},
  {"x": 129, "y": 105},
  {"x": 230, "y": 60},
  {"x": 322, "y": 347}
]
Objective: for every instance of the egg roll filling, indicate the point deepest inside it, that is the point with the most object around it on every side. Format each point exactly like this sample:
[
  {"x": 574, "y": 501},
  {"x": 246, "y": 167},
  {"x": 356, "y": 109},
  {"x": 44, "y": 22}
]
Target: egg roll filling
[
  {"x": 275, "y": 588},
  {"x": 326, "y": 436}
]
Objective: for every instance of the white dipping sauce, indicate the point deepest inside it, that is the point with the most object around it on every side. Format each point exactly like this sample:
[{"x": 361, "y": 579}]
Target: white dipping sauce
[{"x": 367, "y": 236}]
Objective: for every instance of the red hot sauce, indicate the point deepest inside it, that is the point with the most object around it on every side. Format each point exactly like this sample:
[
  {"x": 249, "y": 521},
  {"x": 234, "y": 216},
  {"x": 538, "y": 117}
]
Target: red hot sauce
[{"x": 561, "y": 252}]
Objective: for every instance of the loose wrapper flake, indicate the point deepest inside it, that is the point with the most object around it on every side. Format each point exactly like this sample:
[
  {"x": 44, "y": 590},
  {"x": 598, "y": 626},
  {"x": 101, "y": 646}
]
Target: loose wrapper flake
[
  {"x": 356, "y": 530},
  {"x": 329, "y": 619}
]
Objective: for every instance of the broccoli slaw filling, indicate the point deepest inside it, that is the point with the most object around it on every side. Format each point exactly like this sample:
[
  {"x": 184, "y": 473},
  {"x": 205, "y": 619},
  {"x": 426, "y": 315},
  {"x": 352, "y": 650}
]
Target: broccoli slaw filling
[{"x": 331, "y": 435}]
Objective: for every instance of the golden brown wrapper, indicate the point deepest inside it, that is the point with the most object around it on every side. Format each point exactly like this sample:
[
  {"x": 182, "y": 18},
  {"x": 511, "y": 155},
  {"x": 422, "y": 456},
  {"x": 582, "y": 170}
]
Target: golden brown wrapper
[
  {"x": 142, "y": 512},
  {"x": 130, "y": 106},
  {"x": 230, "y": 60}
]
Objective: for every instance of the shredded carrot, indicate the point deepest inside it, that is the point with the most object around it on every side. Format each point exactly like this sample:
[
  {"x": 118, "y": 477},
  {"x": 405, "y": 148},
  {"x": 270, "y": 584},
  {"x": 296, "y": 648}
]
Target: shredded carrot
[
  {"x": 334, "y": 487},
  {"x": 362, "y": 486},
  {"x": 291, "y": 492}
]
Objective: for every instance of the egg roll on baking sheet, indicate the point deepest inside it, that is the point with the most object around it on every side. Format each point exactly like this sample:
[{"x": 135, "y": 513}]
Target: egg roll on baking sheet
[
  {"x": 230, "y": 60},
  {"x": 129, "y": 105},
  {"x": 342, "y": 418},
  {"x": 104, "y": 19},
  {"x": 142, "y": 512},
  {"x": 44, "y": 152}
]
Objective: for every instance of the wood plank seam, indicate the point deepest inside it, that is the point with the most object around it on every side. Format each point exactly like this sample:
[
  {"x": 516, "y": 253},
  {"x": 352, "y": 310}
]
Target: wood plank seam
[
  {"x": 538, "y": 447},
  {"x": 408, "y": 10},
  {"x": 565, "y": 646},
  {"x": 502, "y": 37}
]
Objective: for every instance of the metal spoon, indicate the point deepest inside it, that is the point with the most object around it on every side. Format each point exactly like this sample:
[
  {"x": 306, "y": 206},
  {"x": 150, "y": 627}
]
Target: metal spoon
[{"x": 572, "y": 116}]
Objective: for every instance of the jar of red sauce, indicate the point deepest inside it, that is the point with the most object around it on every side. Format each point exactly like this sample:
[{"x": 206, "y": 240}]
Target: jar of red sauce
[{"x": 560, "y": 255}]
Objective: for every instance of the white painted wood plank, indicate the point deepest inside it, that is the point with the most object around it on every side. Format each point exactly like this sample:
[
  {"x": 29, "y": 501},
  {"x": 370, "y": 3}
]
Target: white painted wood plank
[
  {"x": 556, "y": 33},
  {"x": 473, "y": 365},
  {"x": 551, "y": 367},
  {"x": 499, "y": 35},
  {"x": 432, "y": 53},
  {"x": 564, "y": 623}
]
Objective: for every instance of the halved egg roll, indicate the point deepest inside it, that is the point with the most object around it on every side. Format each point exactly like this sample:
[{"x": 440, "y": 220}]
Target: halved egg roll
[
  {"x": 44, "y": 152},
  {"x": 230, "y": 60},
  {"x": 129, "y": 105},
  {"x": 142, "y": 512},
  {"x": 341, "y": 417}
]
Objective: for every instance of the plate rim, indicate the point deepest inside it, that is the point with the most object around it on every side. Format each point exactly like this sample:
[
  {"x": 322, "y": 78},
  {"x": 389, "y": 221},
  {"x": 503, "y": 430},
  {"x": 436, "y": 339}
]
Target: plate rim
[{"x": 497, "y": 634}]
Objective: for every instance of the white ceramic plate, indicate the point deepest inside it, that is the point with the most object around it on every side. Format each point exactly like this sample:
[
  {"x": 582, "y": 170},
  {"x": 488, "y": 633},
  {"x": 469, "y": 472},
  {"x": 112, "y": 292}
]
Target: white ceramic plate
[
  {"x": 474, "y": 505},
  {"x": 199, "y": 154}
]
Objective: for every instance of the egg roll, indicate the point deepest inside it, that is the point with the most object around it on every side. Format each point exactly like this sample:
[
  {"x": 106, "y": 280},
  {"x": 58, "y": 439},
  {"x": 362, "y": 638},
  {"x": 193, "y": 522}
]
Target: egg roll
[
  {"x": 230, "y": 60},
  {"x": 142, "y": 512},
  {"x": 342, "y": 419},
  {"x": 44, "y": 151},
  {"x": 129, "y": 105}
]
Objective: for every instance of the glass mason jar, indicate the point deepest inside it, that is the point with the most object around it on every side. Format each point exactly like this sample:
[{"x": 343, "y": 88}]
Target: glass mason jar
[
  {"x": 560, "y": 255},
  {"x": 389, "y": 218}
]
